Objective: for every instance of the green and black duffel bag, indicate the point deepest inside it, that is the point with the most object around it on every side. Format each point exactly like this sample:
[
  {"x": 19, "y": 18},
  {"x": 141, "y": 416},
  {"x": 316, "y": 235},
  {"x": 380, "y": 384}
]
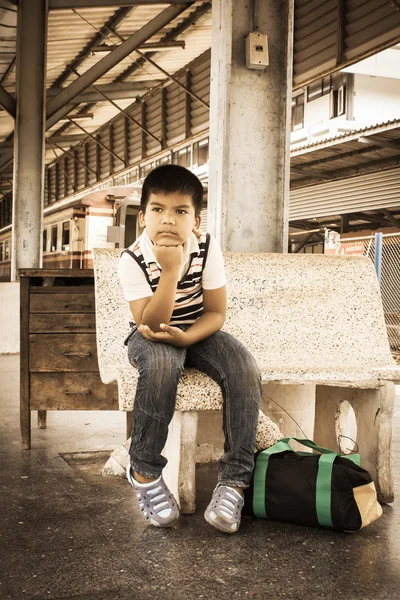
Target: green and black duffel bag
[{"x": 321, "y": 490}]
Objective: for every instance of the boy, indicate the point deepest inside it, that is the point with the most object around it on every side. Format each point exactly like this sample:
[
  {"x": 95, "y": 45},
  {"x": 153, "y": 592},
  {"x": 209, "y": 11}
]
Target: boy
[{"x": 174, "y": 281}]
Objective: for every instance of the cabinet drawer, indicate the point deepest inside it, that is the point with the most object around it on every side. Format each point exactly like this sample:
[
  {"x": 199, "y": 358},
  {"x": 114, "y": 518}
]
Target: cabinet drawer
[
  {"x": 56, "y": 323},
  {"x": 71, "y": 391},
  {"x": 62, "y": 352},
  {"x": 62, "y": 303}
]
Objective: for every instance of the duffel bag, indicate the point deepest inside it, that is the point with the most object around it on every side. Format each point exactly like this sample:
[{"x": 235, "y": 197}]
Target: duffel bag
[{"x": 322, "y": 490}]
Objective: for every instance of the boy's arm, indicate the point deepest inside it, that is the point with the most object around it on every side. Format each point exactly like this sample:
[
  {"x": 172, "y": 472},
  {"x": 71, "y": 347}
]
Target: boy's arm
[
  {"x": 214, "y": 305},
  {"x": 158, "y": 308}
]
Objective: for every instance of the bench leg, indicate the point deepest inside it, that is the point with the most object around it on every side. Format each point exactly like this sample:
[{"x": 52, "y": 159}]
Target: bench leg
[
  {"x": 42, "y": 419},
  {"x": 373, "y": 410},
  {"x": 180, "y": 450}
]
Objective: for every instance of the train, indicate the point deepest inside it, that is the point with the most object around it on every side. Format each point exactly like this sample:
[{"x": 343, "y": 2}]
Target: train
[{"x": 104, "y": 217}]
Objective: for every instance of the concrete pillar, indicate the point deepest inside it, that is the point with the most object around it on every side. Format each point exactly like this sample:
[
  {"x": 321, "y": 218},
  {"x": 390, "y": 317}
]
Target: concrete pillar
[
  {"x": 248, "y": 190},
  {"x": 28, "y": 182}
]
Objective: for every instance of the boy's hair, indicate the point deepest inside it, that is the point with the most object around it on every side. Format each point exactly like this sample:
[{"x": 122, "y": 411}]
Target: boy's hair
[{"x": 169, "y": 179}]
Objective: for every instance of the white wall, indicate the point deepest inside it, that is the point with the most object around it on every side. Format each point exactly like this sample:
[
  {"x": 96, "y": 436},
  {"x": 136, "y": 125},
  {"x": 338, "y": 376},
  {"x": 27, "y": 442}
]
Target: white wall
[
  {"x": 383, "y": 64},
  {"x": 376, "y": 99},
  {"x": 316, "y": 111},
  {"x": 9, "y": 318}
]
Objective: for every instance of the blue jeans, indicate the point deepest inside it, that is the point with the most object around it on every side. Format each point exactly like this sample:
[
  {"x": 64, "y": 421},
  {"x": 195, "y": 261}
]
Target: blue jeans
[{"x": 223, "y": 358}]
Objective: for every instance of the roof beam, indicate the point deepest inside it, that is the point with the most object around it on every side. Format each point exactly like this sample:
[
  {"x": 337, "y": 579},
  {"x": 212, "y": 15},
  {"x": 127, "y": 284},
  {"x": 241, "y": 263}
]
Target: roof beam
[
  {"x": 156, "y": 46},
  {"x": 390, "y": 217},
  {"x": 318, "y": 238},
  {"x": 8, "y": 71},
  {"x": 115, "y": 21},
  {"x": 338, "y": 157},
  {"x": 303, "y": 225},
  {"x": 359, "y": 169},
  {"x": 108, "y": 62},
  {"x": 168, "y": 75},
  {"x": 62, "y": 140},
  {"x": 190, "y": 20},
  {"x": 8, "y": 102},
  {"x": 58, "y": 107},
  {"x": 344, "y": 138},
  {"x": 379, "y": 141},
  {"x": 121, "y": 110},
  {"x": 360, "y": 216},
  {"x": 9, "y": 5},
  {"x": 120, "y": 91},
  {"x": 63, "y": 4},
  {"x": 310, "y": 173}
]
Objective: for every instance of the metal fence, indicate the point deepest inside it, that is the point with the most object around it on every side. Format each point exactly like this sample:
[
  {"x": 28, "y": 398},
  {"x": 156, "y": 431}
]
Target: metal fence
[{"x": 390, "y": 280}]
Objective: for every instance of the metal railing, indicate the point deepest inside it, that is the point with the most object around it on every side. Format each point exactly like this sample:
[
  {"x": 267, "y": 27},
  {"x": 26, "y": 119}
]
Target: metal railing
[{"x": 389, "y": 280}]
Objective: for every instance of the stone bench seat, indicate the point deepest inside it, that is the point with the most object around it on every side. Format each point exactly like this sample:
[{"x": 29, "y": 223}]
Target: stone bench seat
[{"x": 312, "y": 321}]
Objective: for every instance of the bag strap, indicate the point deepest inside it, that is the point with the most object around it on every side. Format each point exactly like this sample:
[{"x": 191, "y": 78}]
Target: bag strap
[
  {"x": 260, "y": 474},
  {"x": 323, "y": 492},
  {"x": 323, "y": 497},
  {"x": 308, "y": 444}
]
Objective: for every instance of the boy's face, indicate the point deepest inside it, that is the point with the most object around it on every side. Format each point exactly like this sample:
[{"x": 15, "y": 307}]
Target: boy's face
[{"x": 169, "y": 219}]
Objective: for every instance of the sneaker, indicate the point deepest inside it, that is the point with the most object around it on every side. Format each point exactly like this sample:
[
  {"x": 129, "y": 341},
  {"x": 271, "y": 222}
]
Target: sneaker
[
  {"x": 225, "y": 508},
  {"x": 156, "y": 503}
]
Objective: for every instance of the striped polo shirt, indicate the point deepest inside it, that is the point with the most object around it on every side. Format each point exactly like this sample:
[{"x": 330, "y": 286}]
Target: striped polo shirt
[{"x": 203, "y": 268}]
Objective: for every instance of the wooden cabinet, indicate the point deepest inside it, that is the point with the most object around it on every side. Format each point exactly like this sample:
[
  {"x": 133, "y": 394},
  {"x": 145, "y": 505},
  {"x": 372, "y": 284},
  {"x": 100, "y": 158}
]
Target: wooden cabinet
[{"x": 59, "y": 369}]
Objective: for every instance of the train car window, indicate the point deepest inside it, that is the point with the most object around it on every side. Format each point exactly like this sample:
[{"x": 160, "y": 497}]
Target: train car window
[
  {"x": 7, "y": 250},
  {"x": 44, "y": 240},
  {"x": 165, "y": 160},
  {"x": 65, "y": 235},
  {"x": 132, "y": 176},
  {"x": 121, "y": 180},
  {"x": 200, "y": 153},
  {"x": 145, "y": 170},
  {"x": 1, "y": 252},
  {"x": 183, "y": 157},
  {"x": 53, "y": 244}
]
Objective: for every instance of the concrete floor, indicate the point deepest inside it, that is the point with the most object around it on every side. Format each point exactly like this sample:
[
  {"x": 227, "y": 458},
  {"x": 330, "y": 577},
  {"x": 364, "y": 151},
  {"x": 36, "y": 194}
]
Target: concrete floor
[{"x": 66, "y": 532}]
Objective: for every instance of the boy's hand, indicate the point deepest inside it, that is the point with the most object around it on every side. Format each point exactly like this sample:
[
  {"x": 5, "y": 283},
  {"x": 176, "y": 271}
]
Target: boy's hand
[
  {"x": 169, "y": 335},
  {"x": 170, "y": 258}
]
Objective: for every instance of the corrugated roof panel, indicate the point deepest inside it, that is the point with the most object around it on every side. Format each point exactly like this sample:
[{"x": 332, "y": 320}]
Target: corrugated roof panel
[
  {"x": 364, "y": 192},
  {"x": 197, "y": 40},
  {"x": 314, "y": 54},
  {"x": 364, "y": 26},
  {"x": 68, "y": 35},
  {"x": 368, "y": 24},
  {"x": 381, "y": 128}
]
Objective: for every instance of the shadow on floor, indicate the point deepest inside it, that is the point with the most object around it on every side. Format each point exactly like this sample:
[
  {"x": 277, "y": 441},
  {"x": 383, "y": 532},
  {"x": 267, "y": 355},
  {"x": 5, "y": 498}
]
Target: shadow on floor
[{"x": 67, "y": 532}]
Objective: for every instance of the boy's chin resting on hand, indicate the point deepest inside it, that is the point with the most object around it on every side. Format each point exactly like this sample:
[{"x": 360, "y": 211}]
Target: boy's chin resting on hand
[
  {"x": 168, "y": 335},
  {"x": 169, "y": 257}
]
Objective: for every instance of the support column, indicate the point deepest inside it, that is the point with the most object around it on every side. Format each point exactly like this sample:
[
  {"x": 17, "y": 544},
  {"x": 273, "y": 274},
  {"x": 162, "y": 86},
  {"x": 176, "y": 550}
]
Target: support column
[
  {"x": 248, "y": 192},
  {"x": 28, "y": 183}
]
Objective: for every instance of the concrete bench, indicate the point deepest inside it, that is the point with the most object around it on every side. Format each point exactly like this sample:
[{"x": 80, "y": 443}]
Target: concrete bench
[{"x": 314, "y": 321}]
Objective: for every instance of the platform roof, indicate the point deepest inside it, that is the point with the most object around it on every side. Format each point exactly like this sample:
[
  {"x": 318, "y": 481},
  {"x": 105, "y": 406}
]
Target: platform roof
[
  {"x": 328, "y": 35},
  {"x": 370, "y": 149},
  {"x": 79, "y": 38}
]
